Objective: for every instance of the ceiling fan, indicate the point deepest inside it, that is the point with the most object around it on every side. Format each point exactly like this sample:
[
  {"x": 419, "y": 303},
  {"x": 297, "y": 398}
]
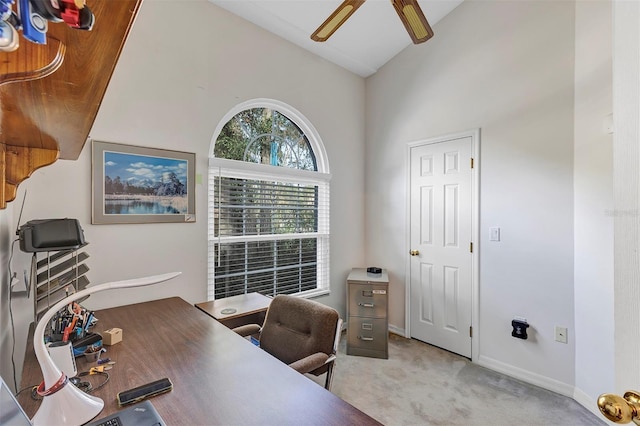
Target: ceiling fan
[{"x": 409, "y": 11}]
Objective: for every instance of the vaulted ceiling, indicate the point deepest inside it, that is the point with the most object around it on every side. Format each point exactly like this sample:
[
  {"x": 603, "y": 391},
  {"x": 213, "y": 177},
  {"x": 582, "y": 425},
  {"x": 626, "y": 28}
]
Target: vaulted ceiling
[{"x": 368, "y": 39}]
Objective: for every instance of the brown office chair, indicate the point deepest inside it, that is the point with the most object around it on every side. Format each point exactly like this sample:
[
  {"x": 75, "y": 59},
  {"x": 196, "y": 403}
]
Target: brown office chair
[{"x": 301, "y": 333}]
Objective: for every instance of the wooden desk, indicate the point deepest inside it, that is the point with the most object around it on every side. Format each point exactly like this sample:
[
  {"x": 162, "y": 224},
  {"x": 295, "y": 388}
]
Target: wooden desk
[
  {"x": 249, "y": 309},
  {"x": 219, "y": 378}
]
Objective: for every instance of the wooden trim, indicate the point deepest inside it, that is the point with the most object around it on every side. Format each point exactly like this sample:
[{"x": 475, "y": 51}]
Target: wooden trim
[
  {"x": 51, "y": 93},
  {"x": 19, "y": 163}
]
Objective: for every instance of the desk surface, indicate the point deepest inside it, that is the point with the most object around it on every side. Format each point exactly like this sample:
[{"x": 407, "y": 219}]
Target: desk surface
[
  {"x": 219, "y": 378},
  {"x": 243, "y": 304}
]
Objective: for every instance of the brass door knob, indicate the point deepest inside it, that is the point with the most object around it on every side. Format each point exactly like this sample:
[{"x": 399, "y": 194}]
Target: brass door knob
[
  {"x": 414, "y": 252},
  {"x": 619, "y": 409}
]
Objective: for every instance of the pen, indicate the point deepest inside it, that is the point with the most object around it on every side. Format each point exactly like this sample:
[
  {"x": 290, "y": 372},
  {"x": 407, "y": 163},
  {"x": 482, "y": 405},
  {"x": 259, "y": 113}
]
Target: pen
[
  {"x": 69, "y": 329},
  {"x": 88, "y": 323}
]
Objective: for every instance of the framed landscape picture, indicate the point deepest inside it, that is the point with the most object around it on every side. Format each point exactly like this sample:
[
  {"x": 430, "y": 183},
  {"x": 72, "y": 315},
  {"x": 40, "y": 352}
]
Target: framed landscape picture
[{"x": 134, "y": 184}]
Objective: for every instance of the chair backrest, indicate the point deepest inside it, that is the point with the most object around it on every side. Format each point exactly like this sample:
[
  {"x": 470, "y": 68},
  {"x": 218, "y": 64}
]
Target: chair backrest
[{"x": 295, "y": 328}]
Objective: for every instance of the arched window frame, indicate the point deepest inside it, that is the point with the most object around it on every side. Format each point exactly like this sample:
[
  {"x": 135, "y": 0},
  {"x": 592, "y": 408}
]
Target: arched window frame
[{"x": 240, "y": 169}]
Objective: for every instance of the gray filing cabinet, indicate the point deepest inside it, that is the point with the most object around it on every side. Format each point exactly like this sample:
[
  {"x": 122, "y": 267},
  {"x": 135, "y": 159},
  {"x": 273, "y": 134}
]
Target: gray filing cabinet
[{"x": 367, "y": 322}]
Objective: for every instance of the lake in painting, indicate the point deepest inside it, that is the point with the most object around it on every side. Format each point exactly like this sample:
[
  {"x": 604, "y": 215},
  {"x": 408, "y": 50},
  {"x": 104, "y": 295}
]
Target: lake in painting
[
  {"x": 146, "y": 205},
  {"x": 144, "y": 185}
]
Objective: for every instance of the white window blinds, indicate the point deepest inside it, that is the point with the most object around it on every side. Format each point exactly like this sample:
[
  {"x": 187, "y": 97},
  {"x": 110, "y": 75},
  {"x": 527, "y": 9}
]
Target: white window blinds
[{"x": 268, "y": 230}]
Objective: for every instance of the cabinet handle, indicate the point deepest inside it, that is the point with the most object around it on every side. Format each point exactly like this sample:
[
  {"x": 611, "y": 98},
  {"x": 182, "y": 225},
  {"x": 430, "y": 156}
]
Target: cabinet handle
[
  {"x": 367, "y": 339},
  {"x": 366, "y": 305}
]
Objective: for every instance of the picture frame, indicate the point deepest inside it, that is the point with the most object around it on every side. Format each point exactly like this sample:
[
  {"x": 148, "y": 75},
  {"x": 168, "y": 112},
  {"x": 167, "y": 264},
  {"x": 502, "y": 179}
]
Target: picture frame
[{"x": 136, "y": 184}]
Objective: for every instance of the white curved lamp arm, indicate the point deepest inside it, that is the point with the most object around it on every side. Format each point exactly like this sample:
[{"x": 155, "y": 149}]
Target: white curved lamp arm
[{"x": 50, "y": 372}]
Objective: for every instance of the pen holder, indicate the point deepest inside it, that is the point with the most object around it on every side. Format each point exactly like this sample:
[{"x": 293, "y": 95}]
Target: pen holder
[{"x": 93, "y": 356}]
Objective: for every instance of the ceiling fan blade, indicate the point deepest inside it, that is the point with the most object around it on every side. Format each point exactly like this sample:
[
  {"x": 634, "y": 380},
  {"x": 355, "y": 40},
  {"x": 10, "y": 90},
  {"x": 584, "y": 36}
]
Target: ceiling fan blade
[
  {"x": 337, "y": 18},
  {"x": 414, "y": 20}
]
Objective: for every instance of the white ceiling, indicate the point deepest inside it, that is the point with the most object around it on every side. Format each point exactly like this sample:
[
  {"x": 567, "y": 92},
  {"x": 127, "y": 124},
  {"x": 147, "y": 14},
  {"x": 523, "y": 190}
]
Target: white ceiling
[{"x": 371, "y": 36}]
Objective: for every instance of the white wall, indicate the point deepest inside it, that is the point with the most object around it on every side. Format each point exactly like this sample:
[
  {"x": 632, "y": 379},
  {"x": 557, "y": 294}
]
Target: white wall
[
  {"x": 593, "y": 203},
  {"x": 15, "y": 308},
  {"x": 626, "y": 184},
  {"x": 6, "y": 338},
  {"x": 180, "y": 72},
  {"x": 508, "y": 69}
]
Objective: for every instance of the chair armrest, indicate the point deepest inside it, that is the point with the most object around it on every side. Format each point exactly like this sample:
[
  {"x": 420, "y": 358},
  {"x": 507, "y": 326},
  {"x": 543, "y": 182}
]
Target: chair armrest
[
  {"x": 247, "y": 330},
  {"x": 310, "y": 363}
]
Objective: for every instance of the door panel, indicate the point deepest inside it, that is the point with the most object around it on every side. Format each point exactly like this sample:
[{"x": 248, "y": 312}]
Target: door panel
[
  {"x": 426, "y": 302},
  {"x": 426, "y": 224},
  {"x": 440, "y": 229}
]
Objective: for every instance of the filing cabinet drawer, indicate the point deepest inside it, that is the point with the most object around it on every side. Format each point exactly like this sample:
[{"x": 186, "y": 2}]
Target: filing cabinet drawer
[
  {"x": 367, "y": 336},
  {"x": 367, "y": 300}
]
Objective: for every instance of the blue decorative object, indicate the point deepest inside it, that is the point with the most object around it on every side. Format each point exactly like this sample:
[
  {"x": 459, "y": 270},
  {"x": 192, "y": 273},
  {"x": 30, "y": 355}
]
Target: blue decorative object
[
  {"x": 34, "y": 22},
  {"x": 274, "y": 154}
]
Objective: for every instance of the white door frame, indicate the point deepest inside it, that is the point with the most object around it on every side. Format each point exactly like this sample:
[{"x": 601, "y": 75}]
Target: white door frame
[{"x": 475, "y": 234}]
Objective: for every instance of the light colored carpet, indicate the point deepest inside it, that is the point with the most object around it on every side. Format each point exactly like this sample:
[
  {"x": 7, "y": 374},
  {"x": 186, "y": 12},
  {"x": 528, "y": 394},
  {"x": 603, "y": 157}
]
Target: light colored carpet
[{"x": 424, "y": 385}]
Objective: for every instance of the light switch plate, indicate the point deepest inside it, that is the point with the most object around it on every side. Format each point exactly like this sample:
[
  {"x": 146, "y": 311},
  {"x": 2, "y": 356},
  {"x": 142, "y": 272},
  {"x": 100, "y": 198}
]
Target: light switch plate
[{"x": 494, "y": 234}]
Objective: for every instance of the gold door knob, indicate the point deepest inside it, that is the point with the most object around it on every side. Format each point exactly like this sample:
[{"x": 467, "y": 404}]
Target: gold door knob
[
  {"x": 619, "y": 409},
  {"x": 414, "y": 252}
]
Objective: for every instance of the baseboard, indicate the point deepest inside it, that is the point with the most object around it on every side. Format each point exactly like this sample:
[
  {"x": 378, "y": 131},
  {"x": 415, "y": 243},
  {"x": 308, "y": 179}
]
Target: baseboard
[
  {"x": 396, "y": 330},
  {"x": 589, "y": 403},
  {"x": 527, "y": 376}
]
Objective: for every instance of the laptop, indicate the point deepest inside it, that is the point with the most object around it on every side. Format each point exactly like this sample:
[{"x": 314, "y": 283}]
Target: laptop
[
  {"x": 11, "y": 412},
  {"x": 140, "y": 414}
]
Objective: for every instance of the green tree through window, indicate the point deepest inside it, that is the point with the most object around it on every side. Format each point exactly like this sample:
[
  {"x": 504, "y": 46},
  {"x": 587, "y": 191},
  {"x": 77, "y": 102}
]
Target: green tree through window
[{"x": 264, "y": 136}]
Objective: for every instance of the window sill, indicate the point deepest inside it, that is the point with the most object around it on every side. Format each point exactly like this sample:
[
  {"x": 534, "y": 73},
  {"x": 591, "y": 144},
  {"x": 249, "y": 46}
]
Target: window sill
[{"x": 314, "y": 293}]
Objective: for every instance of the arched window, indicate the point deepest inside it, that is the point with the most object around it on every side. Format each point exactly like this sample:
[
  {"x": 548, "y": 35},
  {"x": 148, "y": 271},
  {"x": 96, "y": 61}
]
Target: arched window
[{"x": 268, "y": 204}]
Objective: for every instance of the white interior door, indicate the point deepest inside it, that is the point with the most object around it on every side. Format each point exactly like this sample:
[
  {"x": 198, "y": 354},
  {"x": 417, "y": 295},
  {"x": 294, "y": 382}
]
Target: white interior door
[{"x": 441, "y": 263}]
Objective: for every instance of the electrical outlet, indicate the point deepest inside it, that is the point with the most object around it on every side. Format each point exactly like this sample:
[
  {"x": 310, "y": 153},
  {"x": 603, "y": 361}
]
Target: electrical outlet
[{"x": 561, "y": 334}]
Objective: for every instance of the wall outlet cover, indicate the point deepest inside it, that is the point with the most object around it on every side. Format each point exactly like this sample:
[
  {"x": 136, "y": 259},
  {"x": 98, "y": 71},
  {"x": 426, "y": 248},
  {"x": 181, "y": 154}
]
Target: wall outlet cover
[{"x": 561, "y": 334}]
